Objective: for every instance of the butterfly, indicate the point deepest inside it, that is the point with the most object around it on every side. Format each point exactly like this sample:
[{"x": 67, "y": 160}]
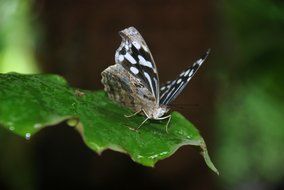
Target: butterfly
[{"x": 134, "y": 82}]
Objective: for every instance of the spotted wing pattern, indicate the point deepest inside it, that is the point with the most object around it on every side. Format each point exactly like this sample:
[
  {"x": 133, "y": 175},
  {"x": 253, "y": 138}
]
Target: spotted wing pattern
[
  {"x": 165, "y": 87},
  {"x": 134, "y": 55},
  {"x": 171, "y": 89}
]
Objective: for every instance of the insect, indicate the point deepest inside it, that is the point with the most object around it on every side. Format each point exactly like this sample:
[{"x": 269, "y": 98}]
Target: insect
[{"x": 134, "y": 82}]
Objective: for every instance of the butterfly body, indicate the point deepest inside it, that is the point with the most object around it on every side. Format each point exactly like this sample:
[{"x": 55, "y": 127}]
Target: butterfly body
[
  {"x": 129, "y": 91},
  {"x": 133, "y": 81}
]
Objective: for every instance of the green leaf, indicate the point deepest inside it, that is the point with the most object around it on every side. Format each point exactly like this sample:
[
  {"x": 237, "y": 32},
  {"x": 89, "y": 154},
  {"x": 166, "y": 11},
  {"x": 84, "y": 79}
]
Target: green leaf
[{"x": 31, "y": 102}]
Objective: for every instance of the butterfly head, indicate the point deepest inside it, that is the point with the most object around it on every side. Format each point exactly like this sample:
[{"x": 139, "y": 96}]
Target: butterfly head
[{"x": 160, "y": 111}]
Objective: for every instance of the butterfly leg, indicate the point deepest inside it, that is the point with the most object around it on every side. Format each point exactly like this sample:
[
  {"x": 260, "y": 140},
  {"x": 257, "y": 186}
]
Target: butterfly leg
[
  {"x": 133, "y": 114},
  {"x": 169, "y": 117},
  {"x": 142, "y": 123},
  {"x": 144, "y": 120},
  {"x": 136, "y": 114}
]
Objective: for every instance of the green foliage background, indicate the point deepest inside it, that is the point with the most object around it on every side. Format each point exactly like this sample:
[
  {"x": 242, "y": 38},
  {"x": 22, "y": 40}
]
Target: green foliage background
[
  {"x": 17, "y": 37},
  {"x": 17, "y": 40},
  {"x": 250, "y": 102}
]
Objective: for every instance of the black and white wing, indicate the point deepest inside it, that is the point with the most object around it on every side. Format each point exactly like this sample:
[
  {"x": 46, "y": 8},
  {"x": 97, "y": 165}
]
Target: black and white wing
[
  {"x": 171, "y": 89},
  {"x": 134, "y": 55}
]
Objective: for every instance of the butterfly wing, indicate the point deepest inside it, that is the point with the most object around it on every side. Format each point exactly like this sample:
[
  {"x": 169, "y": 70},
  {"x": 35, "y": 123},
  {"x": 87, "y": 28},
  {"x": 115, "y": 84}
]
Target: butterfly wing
[
  {"x": 134, "y": 55},
  {"x": 171, "y": 89},
  {"x": 165, "y": 87}
]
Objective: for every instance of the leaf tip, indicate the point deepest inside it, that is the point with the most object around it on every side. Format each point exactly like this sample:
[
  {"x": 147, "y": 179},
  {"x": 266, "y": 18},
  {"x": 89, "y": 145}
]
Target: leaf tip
[{"x": 207, "y": 159}]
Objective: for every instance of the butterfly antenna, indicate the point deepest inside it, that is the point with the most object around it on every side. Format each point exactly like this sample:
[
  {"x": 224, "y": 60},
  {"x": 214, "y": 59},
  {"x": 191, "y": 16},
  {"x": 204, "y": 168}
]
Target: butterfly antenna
[{"x": 183, "y": 106}]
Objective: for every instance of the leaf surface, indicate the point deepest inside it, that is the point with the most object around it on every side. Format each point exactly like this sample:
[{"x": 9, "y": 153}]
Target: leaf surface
[{"x": 31, "y": 102}]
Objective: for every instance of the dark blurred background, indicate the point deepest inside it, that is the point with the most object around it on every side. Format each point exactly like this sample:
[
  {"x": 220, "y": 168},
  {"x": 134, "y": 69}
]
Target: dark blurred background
[{"x": 235, "y": 99}]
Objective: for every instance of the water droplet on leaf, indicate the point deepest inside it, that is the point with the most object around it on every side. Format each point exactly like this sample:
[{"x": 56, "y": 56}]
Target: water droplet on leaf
[{"x": 28, "y": 136}]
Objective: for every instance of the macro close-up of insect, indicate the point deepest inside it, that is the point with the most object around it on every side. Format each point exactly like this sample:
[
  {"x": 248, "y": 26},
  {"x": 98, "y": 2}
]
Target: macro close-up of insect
[
  {"x": 171, "y": 95},
  {"x": 134, "y": 82}
]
